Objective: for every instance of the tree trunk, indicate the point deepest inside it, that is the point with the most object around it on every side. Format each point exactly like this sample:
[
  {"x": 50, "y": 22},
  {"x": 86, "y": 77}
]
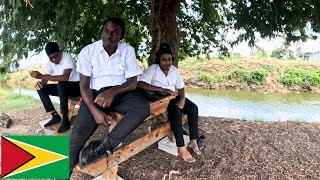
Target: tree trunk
[{"x": 163, "y": 27}]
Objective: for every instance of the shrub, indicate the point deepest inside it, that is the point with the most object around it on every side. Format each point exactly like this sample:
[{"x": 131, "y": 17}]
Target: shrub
[
  {"x": 242, "y": 76},
  {"x": 300, "y": 77}
]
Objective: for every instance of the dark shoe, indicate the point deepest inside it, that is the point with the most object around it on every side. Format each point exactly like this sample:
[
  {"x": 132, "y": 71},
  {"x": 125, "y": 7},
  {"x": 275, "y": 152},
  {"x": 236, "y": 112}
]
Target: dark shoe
[
  {"x": 55, "y": 119},
  {"x": 65, "y": 126},
  {"x": 94, "y": 151},
  {"x": 201, "y": 142}
]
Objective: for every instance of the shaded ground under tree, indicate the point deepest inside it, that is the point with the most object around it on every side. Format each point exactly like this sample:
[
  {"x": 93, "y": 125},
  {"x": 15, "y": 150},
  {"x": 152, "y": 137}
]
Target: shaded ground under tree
[{"x": 235, "y": 150}]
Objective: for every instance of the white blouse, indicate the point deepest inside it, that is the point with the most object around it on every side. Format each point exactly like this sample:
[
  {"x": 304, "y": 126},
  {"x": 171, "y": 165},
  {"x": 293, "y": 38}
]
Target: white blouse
[{"x": 154, "y": 75}]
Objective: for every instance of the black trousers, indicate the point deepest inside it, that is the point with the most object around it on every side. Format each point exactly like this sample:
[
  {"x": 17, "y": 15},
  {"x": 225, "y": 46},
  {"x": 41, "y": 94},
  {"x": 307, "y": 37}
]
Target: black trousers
[
  {"x": 135, "y": 109},
  {"x": 62, "y": 90},
  {"x": 176, "y": 122}
]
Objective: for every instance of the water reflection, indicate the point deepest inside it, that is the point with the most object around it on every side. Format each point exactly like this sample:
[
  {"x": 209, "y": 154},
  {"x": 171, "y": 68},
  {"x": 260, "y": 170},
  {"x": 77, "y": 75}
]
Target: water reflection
[
  {"x": 256, "y": 106},
  {"x": 245, "y": 105},
  {"x": 33, "y": 93}
]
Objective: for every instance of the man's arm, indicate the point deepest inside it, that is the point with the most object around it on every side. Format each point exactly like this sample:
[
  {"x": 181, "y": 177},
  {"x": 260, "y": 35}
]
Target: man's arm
[
  {"x": 149, "y": 87},
  {"x": 129, "y": 85},
  {"x": 182, "y": 100},
  {"x": 87, "y": 95},
  {"x": 46, "y": 77},
  {"x": 86, "y": 92}
]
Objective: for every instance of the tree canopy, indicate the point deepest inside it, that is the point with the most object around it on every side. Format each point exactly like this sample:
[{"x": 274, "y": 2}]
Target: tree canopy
[{"x": 190, "y": 27}]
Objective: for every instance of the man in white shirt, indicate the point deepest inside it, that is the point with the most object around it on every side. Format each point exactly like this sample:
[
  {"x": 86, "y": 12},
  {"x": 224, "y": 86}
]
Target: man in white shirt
[
  {"x": 108, "y": 77},
  {"x": 61, "y": 68}
]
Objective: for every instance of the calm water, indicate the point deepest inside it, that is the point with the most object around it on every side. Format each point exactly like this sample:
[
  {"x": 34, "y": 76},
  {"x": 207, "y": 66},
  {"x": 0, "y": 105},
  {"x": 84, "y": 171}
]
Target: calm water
[
  {"x": 246, "y": 105},
  {"x": 257, "y": 106}
]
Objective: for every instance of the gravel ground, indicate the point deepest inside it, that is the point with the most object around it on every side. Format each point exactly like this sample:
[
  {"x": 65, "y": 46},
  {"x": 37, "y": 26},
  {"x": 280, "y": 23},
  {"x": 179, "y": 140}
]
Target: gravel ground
[{"x": 234, "y": 150}]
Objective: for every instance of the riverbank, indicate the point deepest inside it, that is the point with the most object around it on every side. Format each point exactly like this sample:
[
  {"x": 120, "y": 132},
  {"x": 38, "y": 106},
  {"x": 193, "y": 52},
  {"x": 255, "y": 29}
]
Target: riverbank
[
  {"x": 234, "y": 150},
  {"x": 261, "y": 75}
]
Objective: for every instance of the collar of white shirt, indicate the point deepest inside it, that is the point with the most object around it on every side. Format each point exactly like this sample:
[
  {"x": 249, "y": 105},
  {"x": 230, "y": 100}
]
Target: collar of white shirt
[
  {"x": 101, "y": 48},
  {"x": 159, "y": 69}
]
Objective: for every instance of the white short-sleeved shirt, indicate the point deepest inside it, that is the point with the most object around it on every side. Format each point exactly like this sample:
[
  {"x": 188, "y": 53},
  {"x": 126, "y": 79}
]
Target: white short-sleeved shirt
[
  {"x": 106, "y": 70},
  {"x": 66, "y": 62},
  {"x": 154, "y": 75}
]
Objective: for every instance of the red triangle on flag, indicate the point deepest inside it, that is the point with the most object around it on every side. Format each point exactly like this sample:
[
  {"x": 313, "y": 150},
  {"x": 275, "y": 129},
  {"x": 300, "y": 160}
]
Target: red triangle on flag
[{"x": 12, "y": 157}]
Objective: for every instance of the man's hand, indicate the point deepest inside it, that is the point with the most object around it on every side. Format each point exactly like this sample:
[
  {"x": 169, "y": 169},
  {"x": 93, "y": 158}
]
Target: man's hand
[
  {"x": 36, "y": 74},
  {"x": 181, "y": 103},
  {"x": 104, "y": 99},
  {"x": 168, "y": 91},
  {"x": 101, "y": 118},
  {"x": 38, "y": 85}
]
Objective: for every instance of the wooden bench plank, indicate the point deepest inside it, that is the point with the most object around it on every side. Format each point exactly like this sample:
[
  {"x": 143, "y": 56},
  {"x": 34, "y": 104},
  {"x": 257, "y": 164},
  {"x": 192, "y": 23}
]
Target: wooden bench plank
[
  {"x": 108, "y": 166},
  {"x": 126, "y": 152},
  {"x": 73, "y": 101}
]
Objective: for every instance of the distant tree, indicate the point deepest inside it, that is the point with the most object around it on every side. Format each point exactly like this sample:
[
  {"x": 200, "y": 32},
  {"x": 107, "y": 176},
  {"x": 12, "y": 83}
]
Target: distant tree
[
  {"x": 260, "y": 53},
  {"x": 282, "y": 52}
]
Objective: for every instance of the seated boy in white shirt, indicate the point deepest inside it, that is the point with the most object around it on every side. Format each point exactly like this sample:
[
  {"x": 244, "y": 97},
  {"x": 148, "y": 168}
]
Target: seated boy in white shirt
[
  {"x": 61, "y": 68},
  {"x": 108, "y": 78}
]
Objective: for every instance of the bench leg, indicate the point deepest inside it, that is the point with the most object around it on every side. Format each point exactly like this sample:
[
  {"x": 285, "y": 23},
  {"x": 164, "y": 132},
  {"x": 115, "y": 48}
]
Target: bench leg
[
  {"x": 71, "y": 110},
  {"x": 111, "y": 173}
]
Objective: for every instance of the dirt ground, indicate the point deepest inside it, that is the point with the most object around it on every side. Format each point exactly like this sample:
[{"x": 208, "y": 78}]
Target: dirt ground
[{"x": 234, "y": 150}]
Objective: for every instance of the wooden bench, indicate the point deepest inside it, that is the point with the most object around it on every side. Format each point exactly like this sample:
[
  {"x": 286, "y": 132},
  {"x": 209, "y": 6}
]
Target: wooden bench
[
  {"x": 72, "y": 101},
  {"x": 108, "y": 165}
]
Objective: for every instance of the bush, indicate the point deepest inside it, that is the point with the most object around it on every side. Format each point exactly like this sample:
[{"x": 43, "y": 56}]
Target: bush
[
  {"x": 206, "y": 78},
  {"x": 242, "y": 76},
  {"x": 300, "y": 77},
  {"x": 4, "y": 78}
]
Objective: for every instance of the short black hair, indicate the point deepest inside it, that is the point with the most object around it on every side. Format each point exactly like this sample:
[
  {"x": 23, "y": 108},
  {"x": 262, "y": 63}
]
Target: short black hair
[
  {"x": 164, "y": 49},
  {"x": 118, "y": 21},
  {"x": 52, "y": 47}
]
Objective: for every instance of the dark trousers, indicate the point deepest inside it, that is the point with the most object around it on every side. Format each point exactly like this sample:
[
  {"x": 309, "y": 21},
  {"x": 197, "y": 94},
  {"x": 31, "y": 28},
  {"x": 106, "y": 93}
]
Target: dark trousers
[
  {"x": 135, "y": 109},
  {"x": 62, "y": 90},
  {"x": 176, "y": 122}
]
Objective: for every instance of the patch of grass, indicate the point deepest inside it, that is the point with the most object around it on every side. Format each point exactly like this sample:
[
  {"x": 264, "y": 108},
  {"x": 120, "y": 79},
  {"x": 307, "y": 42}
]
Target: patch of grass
[
  {"x": 258, "y": 120},
  {"x": 257, "y": 77},
  {"x": 205, "y": 78},
  {"x": 10, "y": 100},
  {"x": 300, "y": 77},
  {"x": 4, "y": 78}
]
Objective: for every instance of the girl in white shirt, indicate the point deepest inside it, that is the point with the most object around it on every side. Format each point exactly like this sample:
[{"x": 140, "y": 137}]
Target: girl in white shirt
[{"x": 163, "y": 77}]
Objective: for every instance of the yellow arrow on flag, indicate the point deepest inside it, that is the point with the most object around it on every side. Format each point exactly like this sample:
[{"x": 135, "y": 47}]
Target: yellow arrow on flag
[{"x": 42, "y": 157}]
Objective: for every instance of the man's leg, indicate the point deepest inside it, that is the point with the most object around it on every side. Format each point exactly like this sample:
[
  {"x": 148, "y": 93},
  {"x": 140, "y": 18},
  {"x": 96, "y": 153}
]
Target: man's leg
[
  {"x": 83, "y": 128},
  {"x": 62, "y": 88},
  {"x": 135, "y": 109},
  {"x": 44, "y": 92}
]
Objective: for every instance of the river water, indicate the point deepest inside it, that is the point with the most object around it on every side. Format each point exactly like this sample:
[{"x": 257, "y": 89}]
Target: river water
[{"x": 245, "y": 105}]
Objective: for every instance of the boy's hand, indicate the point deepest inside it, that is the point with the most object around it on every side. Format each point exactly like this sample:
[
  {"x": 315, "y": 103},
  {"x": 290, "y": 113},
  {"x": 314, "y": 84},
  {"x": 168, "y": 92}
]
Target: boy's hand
[
  {"x": 36, "y": 74},
  {"x": 38, "y": 85}
]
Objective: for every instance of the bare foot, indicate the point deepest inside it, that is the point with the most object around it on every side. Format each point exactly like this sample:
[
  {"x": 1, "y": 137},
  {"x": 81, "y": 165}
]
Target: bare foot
[
  {"x": 186, "y": 156},
  {"x": 194, "y": 145}
]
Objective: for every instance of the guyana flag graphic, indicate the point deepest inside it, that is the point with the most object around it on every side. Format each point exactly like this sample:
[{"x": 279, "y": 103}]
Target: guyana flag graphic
[{"x": 40, "y": 157}]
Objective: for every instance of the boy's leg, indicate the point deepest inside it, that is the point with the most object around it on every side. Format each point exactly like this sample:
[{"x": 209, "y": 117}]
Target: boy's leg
[
  {"x": 63, "y": 88},
  {"x": 44, "y": 92},
  {"x": 135, "y": 109},
  {"x": 83, "y": 128}
]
